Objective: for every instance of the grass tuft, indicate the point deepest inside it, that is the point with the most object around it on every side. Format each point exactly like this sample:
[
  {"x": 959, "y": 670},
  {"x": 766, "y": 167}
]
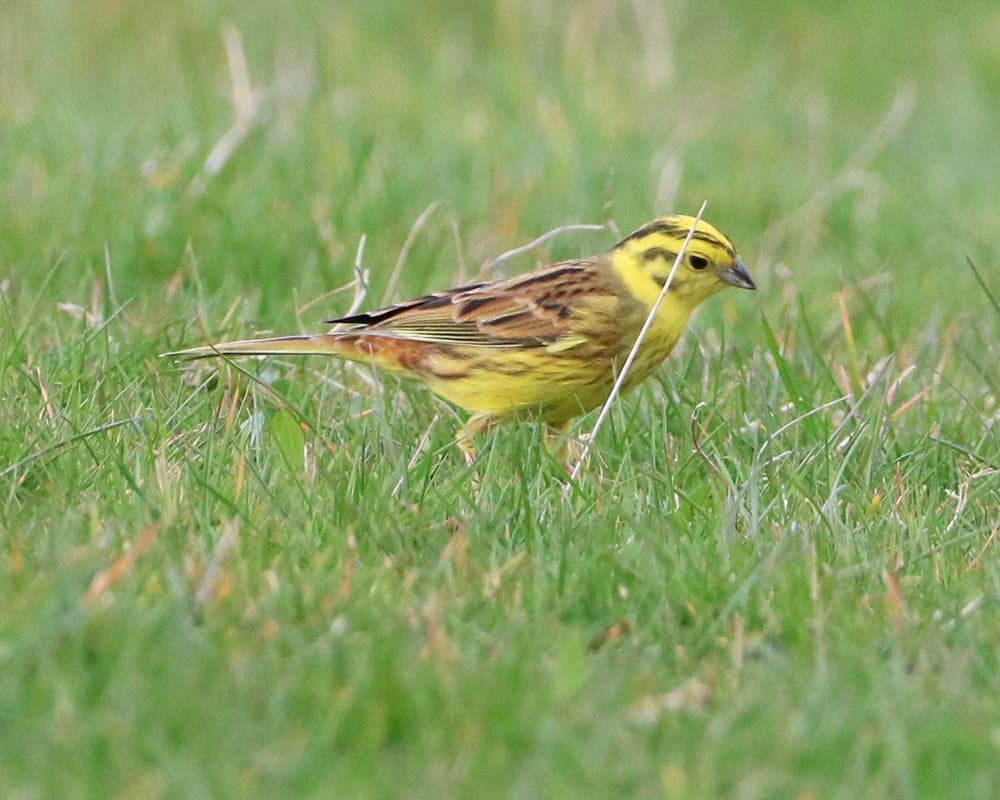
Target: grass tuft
[{"x": 777, "y": 575}]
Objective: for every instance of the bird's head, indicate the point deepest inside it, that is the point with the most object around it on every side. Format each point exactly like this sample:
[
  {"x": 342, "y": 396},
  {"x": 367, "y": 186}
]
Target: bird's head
[{"x": 710, "y": 261}]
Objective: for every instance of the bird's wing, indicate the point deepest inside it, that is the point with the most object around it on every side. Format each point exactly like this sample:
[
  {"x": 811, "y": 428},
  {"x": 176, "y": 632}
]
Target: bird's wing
[{"x": 549, "y": 307}]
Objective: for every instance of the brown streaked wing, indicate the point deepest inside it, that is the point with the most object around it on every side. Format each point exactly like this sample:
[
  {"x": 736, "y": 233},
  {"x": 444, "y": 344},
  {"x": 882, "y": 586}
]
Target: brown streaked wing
[{"x": 535, "y": 309}]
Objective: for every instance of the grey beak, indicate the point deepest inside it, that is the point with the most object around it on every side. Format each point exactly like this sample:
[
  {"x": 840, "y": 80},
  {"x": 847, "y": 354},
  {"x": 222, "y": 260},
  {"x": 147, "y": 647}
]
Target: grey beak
[{"x": 738, "y": 276}]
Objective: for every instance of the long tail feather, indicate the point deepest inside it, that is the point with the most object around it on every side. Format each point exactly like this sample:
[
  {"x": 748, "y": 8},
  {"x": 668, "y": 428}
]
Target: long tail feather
[{"x": 303, "y": 345}]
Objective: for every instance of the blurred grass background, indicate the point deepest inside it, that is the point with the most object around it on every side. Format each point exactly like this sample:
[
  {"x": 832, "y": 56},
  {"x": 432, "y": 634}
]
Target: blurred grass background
[{"x": 219, "y": 587}]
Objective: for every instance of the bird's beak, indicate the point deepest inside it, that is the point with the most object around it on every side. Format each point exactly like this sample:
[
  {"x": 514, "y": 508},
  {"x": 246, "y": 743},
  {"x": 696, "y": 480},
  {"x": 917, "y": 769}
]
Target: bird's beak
[{"x": 738, "y": 276}]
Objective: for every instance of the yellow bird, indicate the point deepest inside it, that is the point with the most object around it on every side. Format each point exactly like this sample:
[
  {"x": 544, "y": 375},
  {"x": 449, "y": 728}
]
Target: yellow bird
[{"x": 548, "y": 343}]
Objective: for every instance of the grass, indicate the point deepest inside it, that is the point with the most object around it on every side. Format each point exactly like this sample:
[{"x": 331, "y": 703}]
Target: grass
[{"x": 777, "y": 576}]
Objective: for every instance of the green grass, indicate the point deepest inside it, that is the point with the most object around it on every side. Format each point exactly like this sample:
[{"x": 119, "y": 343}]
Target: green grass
[{"x": 217, "y": 586}]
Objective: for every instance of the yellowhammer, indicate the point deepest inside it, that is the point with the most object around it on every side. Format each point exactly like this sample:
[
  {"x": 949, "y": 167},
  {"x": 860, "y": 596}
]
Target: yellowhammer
[{"x": 547, "y": 343}]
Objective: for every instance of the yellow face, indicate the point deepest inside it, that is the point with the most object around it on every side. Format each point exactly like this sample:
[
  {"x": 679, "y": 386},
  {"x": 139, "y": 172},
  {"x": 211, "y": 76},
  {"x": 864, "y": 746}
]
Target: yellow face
[{"x": 710, "y": 261}]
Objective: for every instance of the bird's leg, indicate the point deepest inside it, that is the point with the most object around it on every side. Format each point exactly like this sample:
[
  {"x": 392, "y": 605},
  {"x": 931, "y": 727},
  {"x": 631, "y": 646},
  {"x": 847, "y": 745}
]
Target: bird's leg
[{"x": 476, "y": 424}]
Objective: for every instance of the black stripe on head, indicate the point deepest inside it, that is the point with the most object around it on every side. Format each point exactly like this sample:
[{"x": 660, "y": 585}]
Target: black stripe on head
[
  {"x": 656, "y": 226},
  {"x": 676, "y": 230}
]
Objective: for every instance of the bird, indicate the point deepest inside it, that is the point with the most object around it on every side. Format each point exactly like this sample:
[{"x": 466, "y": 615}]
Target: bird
[{"x": 547, "y": 344}]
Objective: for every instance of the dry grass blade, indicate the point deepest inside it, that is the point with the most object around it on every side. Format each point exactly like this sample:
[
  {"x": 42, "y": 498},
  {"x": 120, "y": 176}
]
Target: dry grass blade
[
  {"x": 616, "y": 389},
  {"x": 107, "y": 579},
  {"x": 245, "y": 106},
  {"x": 696, "y": 439},
  {"x": 411, "y": 237},
  {"x": 524, "y": 248},
  {"x": 887, "y": 131},
  {"x": 213, "y": 574},
  {"x": 361, "y": 278}
]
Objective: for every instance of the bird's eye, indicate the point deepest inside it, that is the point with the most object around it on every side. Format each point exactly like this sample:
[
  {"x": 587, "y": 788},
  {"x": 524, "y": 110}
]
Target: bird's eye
[{"x": 697, "y": 262}]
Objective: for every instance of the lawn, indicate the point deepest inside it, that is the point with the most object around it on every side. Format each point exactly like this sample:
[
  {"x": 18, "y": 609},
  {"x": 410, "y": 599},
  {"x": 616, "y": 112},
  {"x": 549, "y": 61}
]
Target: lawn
[{"x": 777, "y": 577}]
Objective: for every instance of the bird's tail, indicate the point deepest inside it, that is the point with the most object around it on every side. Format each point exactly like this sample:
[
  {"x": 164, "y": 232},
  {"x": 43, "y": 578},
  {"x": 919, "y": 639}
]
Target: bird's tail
[
  {"x": 302, "y": 345},
  {"x": 391, "y": 353}
]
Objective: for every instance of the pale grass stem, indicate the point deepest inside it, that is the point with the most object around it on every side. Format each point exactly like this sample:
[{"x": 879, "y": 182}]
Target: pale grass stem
[
  {"x": 361, "y": 278},
  {"x": 457, "y": 235},
  {"x": 245, "y": 107},
  {"x": 411, "y": 237},
  {"x": 889, "y": 129},
  {"x": 524, "y": 248},
  {"x": 616, "y": 389},
  {"x": 421, "y": 446},
  {"x": 209, "y": 585}
]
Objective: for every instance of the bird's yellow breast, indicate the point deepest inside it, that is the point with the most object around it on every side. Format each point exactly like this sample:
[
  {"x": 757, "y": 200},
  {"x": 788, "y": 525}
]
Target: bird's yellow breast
[{"x": 552, "y": 383}]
